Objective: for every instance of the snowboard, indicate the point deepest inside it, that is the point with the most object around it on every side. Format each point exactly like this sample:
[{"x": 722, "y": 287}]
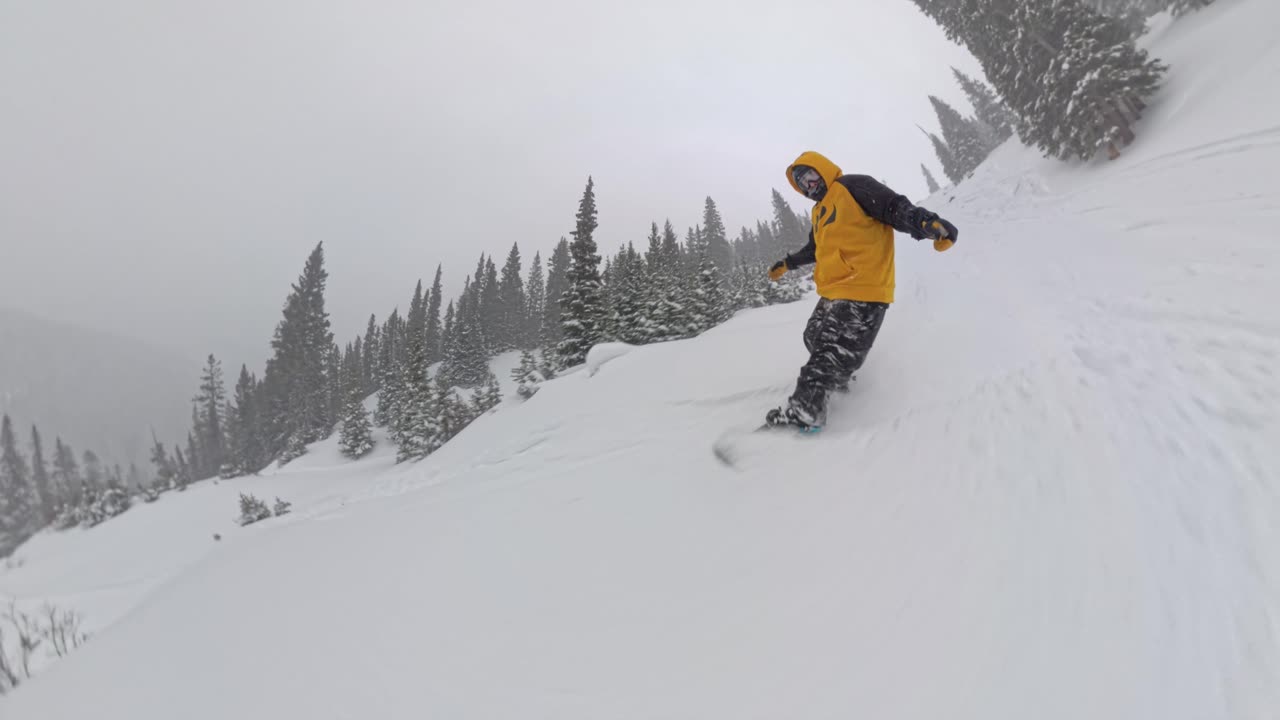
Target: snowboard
[{"x": 738, "y": 447}]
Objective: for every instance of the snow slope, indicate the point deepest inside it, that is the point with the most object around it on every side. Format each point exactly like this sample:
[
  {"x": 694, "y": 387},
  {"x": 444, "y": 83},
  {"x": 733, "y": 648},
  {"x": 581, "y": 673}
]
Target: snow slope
[{"x": 1051, "y": 494}]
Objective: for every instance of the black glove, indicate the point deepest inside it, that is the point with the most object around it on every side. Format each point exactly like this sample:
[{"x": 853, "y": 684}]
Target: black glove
[{"x": 927, "y": 225}]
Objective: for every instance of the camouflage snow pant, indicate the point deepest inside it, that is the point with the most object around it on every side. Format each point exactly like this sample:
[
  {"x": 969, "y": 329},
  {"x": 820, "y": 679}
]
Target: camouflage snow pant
[{"x": 838, "y": 335}]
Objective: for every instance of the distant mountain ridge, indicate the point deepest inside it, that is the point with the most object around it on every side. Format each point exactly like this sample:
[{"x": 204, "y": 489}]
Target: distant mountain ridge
[{"x": 97, "y": 390}]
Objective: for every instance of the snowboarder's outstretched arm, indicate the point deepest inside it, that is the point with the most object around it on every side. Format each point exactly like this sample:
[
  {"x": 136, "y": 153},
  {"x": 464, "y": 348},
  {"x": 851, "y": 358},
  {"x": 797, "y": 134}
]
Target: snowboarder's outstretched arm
[
  {"x": 880, "y": 202},
  {"x": 800, "y": 258}
]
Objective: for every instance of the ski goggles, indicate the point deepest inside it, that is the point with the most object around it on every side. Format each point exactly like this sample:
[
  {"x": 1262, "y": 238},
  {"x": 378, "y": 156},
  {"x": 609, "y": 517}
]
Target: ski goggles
[{"x": 806, "y": 178}]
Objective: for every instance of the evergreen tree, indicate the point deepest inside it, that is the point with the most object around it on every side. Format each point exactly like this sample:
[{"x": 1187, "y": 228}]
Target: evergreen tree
[
  {"x": 928, "y": 179},
  {"x": 1074, "y": 78},
  {"x": 788, "y": 228},
  {"x": 535, "y": 301},
  {"x": 450, "y": 351},
  {"x": 47, "y": 501},
  {"x": 770, "y": 247},
  {"x": 663, "y": 309},
  {"x": 369, "y": 377},
  {"x": 433, "y": 334},
  {"x": 413, "y": 430},
  {"x": 166, "y": 469},
  {"x": 992, "y": 113},
  {"x": 66, "y": 476},
  {"x": 963, "y": 138},
  {"x": 355, "y": 439},
  {"x": 209, "y": 426},
  {"x": 526, "y": 375},
  {"x": 582, "y": 304},
  {"x": 295, "y": 382},
  {"x": 333, "y": 373},
  {"x": 707, "y": 302},
  {"x": 557, "y": 284},
  {"x": 19, "y": 509},
  {"x": 195, "y": 464},
  {"x": 92, "y": 469},
  {"x": 511, "y": 303},
  {"x": 489, "y": 319},
  {"x": 184, "y": 477},
  {"x": 950, "y": 165},
  {"x": 388, "y": 370},
  {"x": 452, "y": 413},
  {"x": 245, "y": 451},
  {"x": 487, "y": 395},
  {"x": 714, "y": 235},
  {"x": 631, "y": 320}
]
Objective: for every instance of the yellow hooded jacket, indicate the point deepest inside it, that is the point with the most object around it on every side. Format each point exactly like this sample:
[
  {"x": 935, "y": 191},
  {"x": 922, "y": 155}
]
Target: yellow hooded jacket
[{"x": 851, "y": 244}]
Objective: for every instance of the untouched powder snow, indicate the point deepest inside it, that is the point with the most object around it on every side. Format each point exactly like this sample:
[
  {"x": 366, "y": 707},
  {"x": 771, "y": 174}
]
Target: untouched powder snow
[{"x": 1051, "y": 494}]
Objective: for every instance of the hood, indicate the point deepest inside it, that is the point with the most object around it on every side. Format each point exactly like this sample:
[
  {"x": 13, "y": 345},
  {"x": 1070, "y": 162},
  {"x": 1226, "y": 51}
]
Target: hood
[{"x": 827, "y": 169}]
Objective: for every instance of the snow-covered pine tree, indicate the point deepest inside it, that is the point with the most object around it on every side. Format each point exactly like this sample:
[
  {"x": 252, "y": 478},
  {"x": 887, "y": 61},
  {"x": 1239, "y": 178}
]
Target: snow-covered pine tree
[
  {"x": 414, "y": 430},
  {"x": 487, "y": 395},
  {"x": 928, "y": 180},
  {"x": 296, "y": 411},
  {"x": 988, "y": 108},
  {"x": 511, "y": 303},
  {"x": 434, "y": 334},
  {"x": 716, "y": 237},
  {"x": 194, "y": 460},
  {"x": 166, "y": 469},
  {"x": 582, "y": 306},
  {"x": 19, "y": 509},
  {"x": 66, "y": 476},
  {"x": 488, "y": 308},
  {"x": 964, "y": 138},
  {"x": 633, "y": 324},
  {"x": 1074, "y": 78},
  {"x": 1093, "y": 88},
  {"x": 369, "y": 369},
  {"x": 706, "y": 295},
  {"x": 535, "y": 302},
  {"x": 114, "y": 499},
  {"x": 746, "y": 248},
  {"x": 790, "y": 231},
  {"x": 333, "y": 373},
  {"x": 526, "y": 375},
  {"x": 609, "y": 318},
  {"x": 388, "y": 374},
  {"x": 93, "y": 473},
  {"x": 47, "y": 501},
  {"x": 771, "y": 250},
  {"x": 245, "y": 452},
  {"x": 946, "y": 158},
  {"x": 183, "y": 478},
  {"x": 449, "y": 345},
  {"x": 209, "y": 426},
  {"x": 664, "y": 310},
  {"x": 452, "y": 413},
  {"x": 552, "y": 332},
  {"x": 355, "y": 439},
  {"x": 466, "y": 357}
]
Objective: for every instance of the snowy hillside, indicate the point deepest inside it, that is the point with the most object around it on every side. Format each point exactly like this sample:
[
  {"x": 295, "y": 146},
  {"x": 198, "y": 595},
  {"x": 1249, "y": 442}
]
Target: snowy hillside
[{"x": 1054, "y": 492}]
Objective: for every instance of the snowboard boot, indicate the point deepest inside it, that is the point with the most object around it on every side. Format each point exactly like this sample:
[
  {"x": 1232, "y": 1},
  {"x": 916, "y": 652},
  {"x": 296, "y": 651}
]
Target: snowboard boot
[{"x": 790, "y": 417}]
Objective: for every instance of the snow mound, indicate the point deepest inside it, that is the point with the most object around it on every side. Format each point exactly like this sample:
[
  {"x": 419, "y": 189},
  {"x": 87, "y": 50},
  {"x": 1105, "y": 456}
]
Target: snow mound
[{"x": 604, "y": 353}]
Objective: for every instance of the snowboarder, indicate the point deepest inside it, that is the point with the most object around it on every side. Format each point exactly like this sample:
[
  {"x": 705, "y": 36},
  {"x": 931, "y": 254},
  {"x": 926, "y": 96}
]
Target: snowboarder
[{"x": 851, "y": 247}]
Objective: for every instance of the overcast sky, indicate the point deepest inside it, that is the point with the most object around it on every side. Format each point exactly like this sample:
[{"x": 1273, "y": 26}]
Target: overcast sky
[{"x": 165, "y": 166}]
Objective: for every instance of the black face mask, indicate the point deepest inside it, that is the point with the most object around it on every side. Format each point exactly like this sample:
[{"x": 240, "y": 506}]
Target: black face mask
[{"x": 809, "y": 182}]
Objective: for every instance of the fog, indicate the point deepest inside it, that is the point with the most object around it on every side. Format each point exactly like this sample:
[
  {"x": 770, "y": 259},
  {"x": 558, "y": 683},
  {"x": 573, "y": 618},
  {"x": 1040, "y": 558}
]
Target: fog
[{"x": 165, "y": 167}]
